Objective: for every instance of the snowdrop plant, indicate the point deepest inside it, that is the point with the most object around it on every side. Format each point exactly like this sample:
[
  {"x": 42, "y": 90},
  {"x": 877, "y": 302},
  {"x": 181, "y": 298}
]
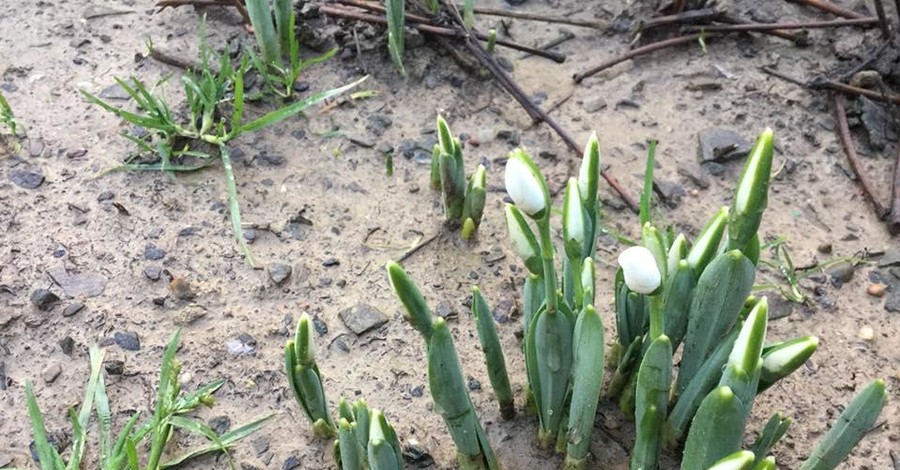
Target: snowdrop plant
[
  {"x": 463, "y": 198},
  {"x": 670, "y": 293}
]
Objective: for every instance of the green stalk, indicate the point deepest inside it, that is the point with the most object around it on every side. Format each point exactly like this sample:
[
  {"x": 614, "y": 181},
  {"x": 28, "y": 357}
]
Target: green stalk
[
  {"x": 493, "y": 354},
  {"x": 234, "y": 206},
  {"x": 851, "y": 426},
  {"x": 549, "y": 273},
  {"x": 716, "y": 431},
  {"x": 651, "y": 401},
  {"x": 587, "y": 379}
]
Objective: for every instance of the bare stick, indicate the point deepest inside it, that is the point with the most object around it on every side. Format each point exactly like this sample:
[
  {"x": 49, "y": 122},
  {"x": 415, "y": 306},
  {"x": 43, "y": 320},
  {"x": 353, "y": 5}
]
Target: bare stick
[
  {"x": 843, "y": 129},
  {"x": 759, "y": 27},
  {"x": 894, "y": 216},
  {"x": 563, "y": 37},
  {"x": 594, "y": 24},
  {"x": 824, "y": 83},
  {"x": 829, "y": 7},
  {"x": 533, "y": 110},
  {"x": 690, "y": 16},
  {"x": 334, "y": 10},
  {"x": 579, "y": 77},
  {"x": 882, "y": 19},
  {"x": 784, "y": 77},
  {"x": 799, "y": 38}
]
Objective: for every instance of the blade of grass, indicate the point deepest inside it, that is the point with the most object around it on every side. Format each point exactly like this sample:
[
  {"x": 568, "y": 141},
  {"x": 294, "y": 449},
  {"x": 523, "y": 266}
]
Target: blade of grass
[
  {"x": 294, "y": 108},
  {"x": 226, "y": 439},
  {"x": 234, "y": 207},
  {"x": 47, "y": 454},
  {"x": 203, "y": 430}
]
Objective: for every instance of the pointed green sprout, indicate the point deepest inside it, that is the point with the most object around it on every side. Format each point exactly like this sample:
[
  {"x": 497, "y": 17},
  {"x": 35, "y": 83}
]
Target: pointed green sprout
[
  {"x": 348, "y": 448},
  {"x": 417, "y": 311},
  {"x": 767, "y": 463},
  {"x": 548, "y": 361},
  {"x": 781, "y": 359},
  {"x": 588, "y": 188},
  {"x": 451, "y": 400},
  {"x": 383, "y": 448},
  {"x": 751, "y": 196},
  {"x": 851, "y": 426},
  {"x": 574, "y": 230},
  {"x": 587, "y": 373},
  {"x": 740, "y": 460},
  {"x": 651, "y": 402},
  {"x": 718, "y": 299},
  {"x": 677, "y": 252},
  {"x": 706, "y": 246},
  {"x": 744, "y": 364},
  {"x": 453, "y": 172},
  {"x": 473, "y": 207},
  {"x": 647, "y": 192},
  {"x": 493, "y": 354},
  {"x": 435, "y": 179},
  {"x": 678, "y": 292},
  {"x": 770, "y": 435},
  {"x": 524, "y": 243},
  {"x": 588, "y": 282},
  {"x": 305, "y": 379},
  {"x": 716, "y": 430},
  {"x": 395, "y": 11}
]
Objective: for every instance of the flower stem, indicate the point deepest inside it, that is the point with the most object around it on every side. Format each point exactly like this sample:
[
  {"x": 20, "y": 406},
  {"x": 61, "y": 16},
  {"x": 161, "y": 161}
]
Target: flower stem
[
  {"x": 547, "y": 258},
  {"x": 657, "y": 322}
]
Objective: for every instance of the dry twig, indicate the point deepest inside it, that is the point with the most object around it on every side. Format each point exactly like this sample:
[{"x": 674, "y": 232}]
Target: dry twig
[
  {"x": 829, "y": 7},
  {"x": 843, "y": 130},
  {"x": 579, "y": 77}
]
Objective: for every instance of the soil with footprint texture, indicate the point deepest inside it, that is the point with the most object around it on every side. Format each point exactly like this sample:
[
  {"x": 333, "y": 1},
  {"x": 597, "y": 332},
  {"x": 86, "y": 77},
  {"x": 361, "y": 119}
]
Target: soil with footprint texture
[{"x": 324, "y": 217}]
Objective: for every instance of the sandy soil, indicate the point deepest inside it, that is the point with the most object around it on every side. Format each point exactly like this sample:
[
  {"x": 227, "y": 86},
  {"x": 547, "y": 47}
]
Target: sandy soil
[{"x": 324, "y": 206}]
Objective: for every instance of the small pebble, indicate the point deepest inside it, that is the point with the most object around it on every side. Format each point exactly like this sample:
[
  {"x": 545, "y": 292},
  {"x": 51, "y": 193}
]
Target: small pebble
[
  {"x": 72, "y": 309},
  {"x": 876, "y": 290},
  {"x": 127, "y": 340},
  {"x": 114, "y": 367},
  {"x": 866, "y": 333},
  {"x": 44, "y": 299},
  {"x": 51, "y": 372}
]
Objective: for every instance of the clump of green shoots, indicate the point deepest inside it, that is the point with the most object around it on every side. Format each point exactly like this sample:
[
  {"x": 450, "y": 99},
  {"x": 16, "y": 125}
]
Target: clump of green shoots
[
  {"x": 137, "y": 447},
  {"x": 7, "y": 118},
  {"x": 463, "y": 198},
  {"x": 278, "y": 61},
  {"x": 215, "y": 99}
]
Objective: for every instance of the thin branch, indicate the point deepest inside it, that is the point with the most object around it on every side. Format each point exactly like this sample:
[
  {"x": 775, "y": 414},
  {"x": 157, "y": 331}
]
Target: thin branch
[
  {"x": 563, "y": 37},
  {"x": 334, "y": 10},
  {"x": 843, "y": 130},
  {"x": 652, "y": 47},
  {"x": 824, "y": 83},
  {"x": 533, "y": 110},
  {"x": 894, "y": 216},
  {"x": 759, "y": 27},
  {"x": 882, "y": 19},
  {"x": 593, "y": 24},
  {"x": 829, "y": 7},
  {"x": 800, "y": 38},
  {"x": 787, "y": 78},
  {"x": 686, "y": 17}
]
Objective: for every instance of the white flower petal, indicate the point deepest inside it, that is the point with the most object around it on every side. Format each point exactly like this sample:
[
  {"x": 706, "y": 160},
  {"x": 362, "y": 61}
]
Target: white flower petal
[
  {"x": 523, "y": 187},
  {"x": 640, "y": 269}
]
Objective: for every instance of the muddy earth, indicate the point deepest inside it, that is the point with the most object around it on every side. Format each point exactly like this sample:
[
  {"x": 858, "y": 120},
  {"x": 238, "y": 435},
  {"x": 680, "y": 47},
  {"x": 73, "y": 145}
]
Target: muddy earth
[{"x": 323, "y": 218}]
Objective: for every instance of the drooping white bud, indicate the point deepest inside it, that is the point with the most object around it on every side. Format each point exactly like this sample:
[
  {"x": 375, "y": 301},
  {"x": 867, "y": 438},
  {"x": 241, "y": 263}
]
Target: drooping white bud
[
  {"x": 524, "y": 186},
  {"x": 640, "y": 270}
]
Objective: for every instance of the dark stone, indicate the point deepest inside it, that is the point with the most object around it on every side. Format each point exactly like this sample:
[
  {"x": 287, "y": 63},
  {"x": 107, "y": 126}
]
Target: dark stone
[
  {"x": 127, "y": 340},
  {"x": 778, "y": 307},
  {"x": 825, "y": 248},
  {"x": 511, "y": 137},
  {"x": 694, "y": 174},
  {"x": 75, "y": 284},
  {"x": 220, "y": 424},
  {"x": 417, "y": 391},
  {"x": 841, "y": 273},
  {"x": 301, "y": 86},
  {"x": 43, "y": 299},
  {"x": 67, "y": 345},
  {"x": 319, "y": 325},
  {"x": 58, "y": 441},
  {"x": 279, "y": 272},
  {"x": 721, "y": 145},
  {"x": 269, "y": 159},
  {"x": 260, "y": 445},
  {"x": 877, "y": 123},
  {"x": 408, "y": 148},
  {"x": 331, "y": 262},
  {"x": 547, "y": 155},
  {"x": 415, "y": 453},
  {"x": 713, "y": 168},
  {"x": 670, "y": 192},
  {"x": 106, "y": 196},
  {"x": 378, "y": 123},
  {"x": 187, "y": 231},
  {"x": 72, "y": 309},
  {"x": 151, "y": 252},
  {"x": 361, "y": 318},
  {"x": 242, "y": 345},
  {"x": 114, "y": 367},
  {"x": 292, "y": 463},
  {"x": 473, "y": 383},
  {"x": 362, "y": 141},
  {"x": 889, "y": 258},
  {"x": 249, "y": 235},
  {"x": 153, "y": 272},
  {"x": 4, "y": 380},
  {"x": 28, "y": 179},
  {"x": 114, "y": 92},
  {"x": 892, "y": 302},
  {"x": 445, "y": 310}
]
